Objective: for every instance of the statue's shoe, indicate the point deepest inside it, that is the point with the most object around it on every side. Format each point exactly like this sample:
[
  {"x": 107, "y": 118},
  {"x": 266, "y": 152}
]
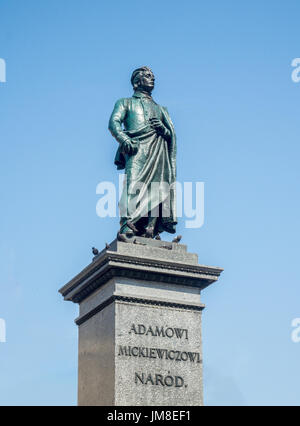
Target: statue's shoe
[
  {"x": 149, "y": 232},
  {"x": 126, "y": 230},
  {"x": 121, "y": 237},
  {"x": 132, "y": 227}
]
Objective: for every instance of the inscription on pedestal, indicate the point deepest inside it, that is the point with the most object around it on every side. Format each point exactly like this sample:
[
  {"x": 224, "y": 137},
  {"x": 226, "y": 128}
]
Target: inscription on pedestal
[
  {"x": 140, "y": 325},
  {"x": 159, "y": 357},
  {"x": 153, "y": 378}
]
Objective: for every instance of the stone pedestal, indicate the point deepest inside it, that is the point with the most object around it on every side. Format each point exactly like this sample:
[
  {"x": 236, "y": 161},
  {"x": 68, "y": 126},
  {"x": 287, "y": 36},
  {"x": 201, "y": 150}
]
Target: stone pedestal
[{"x": 140, "y": 325}]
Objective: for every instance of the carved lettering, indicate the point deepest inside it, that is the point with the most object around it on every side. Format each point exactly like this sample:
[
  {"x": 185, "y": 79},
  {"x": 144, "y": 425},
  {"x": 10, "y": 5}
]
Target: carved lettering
[
  {"x": 156, "y": 331},
  {"x": 170, "y": 332},
  {"x": 154, "y": 353},
  {"x": 172, "y": 355},
  {"x": 159, "y": 380}
]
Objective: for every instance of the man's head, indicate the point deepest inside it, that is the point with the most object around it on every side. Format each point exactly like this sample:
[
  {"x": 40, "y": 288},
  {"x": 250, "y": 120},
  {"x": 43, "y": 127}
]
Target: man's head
[{"x": 143, "y": 79}]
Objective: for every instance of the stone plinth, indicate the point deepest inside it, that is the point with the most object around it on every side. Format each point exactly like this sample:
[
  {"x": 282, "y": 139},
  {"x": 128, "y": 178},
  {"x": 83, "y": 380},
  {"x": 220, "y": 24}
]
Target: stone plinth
[{"x": 140, "y": 325}]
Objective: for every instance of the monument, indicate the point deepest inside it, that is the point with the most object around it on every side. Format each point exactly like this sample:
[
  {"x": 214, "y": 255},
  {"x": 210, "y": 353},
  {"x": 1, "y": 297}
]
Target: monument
[{"x": 139, "y": 299}]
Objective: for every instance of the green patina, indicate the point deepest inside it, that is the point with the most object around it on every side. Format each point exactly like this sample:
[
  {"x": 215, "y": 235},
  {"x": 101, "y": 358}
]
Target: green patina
[{"x": 147, "y": 152}]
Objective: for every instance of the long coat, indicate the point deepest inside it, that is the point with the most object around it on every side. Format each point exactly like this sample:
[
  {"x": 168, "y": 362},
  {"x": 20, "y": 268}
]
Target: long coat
[{"x": 150, "y": 173}]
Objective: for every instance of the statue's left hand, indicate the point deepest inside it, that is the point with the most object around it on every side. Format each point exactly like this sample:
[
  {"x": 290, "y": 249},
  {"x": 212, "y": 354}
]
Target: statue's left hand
[{"x": 157, "y": 125}]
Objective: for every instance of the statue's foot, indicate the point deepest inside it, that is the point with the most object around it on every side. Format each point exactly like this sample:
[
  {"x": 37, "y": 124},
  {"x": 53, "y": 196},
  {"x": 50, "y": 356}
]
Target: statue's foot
[
  {"x": 121, "y": 237},
  {"x": 126, "y": 230},
  {"x": 131, "y": 226},
  {"x": 149, "y": 232}
]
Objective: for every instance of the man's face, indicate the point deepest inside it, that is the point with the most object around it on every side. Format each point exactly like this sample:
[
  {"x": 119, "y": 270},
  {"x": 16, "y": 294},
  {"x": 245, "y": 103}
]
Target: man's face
[{"x": 147, "y": 81}]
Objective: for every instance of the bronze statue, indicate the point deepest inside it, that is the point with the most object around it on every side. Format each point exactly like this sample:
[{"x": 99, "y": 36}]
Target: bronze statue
[{"x": 147, "y": 152}]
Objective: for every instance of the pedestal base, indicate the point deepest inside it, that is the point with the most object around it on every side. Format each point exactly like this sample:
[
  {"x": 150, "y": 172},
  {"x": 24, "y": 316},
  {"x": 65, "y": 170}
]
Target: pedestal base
[{"x": 140, "y": 325}]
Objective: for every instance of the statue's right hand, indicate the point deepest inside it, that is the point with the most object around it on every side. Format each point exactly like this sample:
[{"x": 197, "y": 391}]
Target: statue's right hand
[{"x": 128, "y": 148}]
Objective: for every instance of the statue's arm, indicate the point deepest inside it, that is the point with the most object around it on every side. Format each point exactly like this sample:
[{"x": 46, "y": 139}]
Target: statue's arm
[
  {"x": 166, "y": 133},
  {"x": 166, "y": 122},
  {"x": 161, "y": 126},
  {"x": 116, "y": 120}
]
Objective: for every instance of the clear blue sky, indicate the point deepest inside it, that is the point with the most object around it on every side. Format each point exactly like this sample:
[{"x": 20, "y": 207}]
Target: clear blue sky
[{"x": 224, "y": 71}]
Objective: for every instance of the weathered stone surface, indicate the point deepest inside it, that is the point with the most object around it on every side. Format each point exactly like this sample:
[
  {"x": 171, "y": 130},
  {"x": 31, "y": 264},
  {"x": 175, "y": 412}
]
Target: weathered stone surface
[
  {"x": 163, "y": 369},
  {"x": 96, "y": 372},
  {"x": 140, "y": 325},
  {"x": 146, "y": 262}
]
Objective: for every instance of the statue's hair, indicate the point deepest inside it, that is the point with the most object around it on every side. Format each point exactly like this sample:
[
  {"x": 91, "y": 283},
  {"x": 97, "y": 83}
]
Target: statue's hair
[{"x": 136, "y": 75}]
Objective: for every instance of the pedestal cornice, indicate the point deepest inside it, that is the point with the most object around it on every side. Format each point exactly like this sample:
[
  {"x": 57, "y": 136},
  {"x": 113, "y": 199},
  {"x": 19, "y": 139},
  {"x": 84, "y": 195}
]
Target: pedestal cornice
[{"x": 109, "y": 264}]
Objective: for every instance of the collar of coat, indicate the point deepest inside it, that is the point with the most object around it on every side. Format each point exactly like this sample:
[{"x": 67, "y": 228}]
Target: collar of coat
[{"x": 138, "y": 94}]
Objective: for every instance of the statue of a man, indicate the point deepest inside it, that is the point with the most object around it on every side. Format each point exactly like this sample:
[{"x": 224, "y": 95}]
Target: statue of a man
[{"x": 147, "y": 152}]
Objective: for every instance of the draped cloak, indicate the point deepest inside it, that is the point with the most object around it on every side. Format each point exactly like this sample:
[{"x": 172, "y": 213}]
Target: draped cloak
[{"x": 150, "y": 176}]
